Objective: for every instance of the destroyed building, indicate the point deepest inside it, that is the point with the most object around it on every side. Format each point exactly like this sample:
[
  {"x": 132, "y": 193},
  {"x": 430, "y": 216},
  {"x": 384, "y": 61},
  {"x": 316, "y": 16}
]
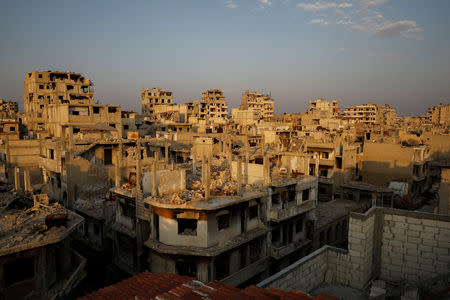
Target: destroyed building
[
  {"x": 190, "y": 190},
  {"x": 36, "y": 260},
  {"x": 150, "y": 98},
  {"x": 262, "y": 105}
]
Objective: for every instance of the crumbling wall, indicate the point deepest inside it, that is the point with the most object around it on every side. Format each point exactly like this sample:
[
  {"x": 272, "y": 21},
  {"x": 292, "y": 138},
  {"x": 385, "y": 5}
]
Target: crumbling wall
[{"x": 251, "y": 173}]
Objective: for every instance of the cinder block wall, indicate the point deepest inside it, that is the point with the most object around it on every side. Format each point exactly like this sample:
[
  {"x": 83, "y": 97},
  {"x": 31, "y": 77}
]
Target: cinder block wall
[
  {"x": 415, "y": 246},
  {"x": 390, "y": 243},
  {"x": 304, "y": 275}
]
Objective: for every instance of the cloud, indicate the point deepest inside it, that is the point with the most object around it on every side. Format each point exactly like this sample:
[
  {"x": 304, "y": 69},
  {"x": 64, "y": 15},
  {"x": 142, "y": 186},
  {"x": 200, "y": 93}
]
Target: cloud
[
  {"x": 400, "y": 28},
  {"x": 265, "y": 2},
  {"x": 319, "y": 22},
  {"x": 372, "y": 3},
  {"x": 345, "y": 5},
  {"x": 317, "y": 6},
  {"x": 230, "y": 4}
]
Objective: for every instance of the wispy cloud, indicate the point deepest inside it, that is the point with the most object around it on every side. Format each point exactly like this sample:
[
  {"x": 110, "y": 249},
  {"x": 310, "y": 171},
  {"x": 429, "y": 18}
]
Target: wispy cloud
[
  {"x": 372, "y": 3},
  {"x": 230, "y": 4},
  {"x": 344, "y": 5},
  {"x": 359, "y": 16},
  {"x": 318, "y": 22},
  {"x": 317, "y": 6},
  {"x": 400, "y": 28},
  {"x": 263, "y": 4}
]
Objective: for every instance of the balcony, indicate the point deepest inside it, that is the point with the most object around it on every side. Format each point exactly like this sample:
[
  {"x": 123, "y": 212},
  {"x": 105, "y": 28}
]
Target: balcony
[
  {"x": 278, "y": 215},
  {"x": 326, "y": 162},
  {"x": 282, "y": 251}
]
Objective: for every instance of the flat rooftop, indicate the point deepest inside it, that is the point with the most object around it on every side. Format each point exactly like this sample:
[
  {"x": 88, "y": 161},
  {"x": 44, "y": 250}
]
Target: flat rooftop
[{"x": 23, "y": 229}]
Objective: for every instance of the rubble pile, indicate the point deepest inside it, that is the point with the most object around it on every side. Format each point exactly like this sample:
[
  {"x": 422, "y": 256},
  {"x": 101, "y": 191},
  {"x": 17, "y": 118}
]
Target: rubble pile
[{"x": 28, "y": 226}]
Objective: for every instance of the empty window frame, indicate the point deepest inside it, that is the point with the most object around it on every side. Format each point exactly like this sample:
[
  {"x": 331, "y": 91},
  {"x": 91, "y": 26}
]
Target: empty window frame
[
  {"x": 253, "y": 212},
  {"x": 223, "y": 220},
  {"x": 187, "y": 226}
]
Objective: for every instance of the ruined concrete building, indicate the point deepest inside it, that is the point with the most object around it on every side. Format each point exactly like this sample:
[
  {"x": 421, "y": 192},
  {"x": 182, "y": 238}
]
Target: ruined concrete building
[
  {"x": 36, "y": 260},
  {"x": 371, "y": 114},
  {"x": 8, "y": 109},
  {"x": 213, "y": 106},
  {"x": 45, "y": 88},
  {"x": 150, "y": 98},
  {"x": 263, "y": 105},
  {"x": 296, "y": 201},
  {"x": 58, "y": 102},
  {"x": 439, "y": 115}
]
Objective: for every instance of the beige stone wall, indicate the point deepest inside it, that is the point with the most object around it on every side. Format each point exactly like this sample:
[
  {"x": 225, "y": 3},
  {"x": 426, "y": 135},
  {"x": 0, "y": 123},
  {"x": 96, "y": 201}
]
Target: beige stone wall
[
  {"x": 414, "y": 249},
  {"x": 444, "y": 193},
  {"x": 395, "y": 244}
]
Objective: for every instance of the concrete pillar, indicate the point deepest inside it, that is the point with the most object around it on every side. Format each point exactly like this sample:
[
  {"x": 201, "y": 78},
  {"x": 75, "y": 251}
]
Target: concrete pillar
[
  {"x": 138, "y": 165},
  {"x": 26, "y": 180},
  {"x": 17, "y": 178},
  {"x": 70, "y": 138},
  {"x": 154, "y": 182},
  {"x": 207, "y": 179},
  {"x": 229, "y": 157},
  {"x": 247, "y": 154},
  {"x": 118, "y": 164},
  {"x": 266, "y": 170},
  {"x": 70, "y": 188},
  {"x": 317, "y": 164},
  {"x": 263, "y": 145},
  {"x": 239, "y": 174}
]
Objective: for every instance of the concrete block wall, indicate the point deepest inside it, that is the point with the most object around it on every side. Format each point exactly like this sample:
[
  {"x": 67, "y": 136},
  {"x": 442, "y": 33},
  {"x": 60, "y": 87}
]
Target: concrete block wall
[
  {"x": 415, "y": 246},
  {"x": 390, "y": 243},
  {"x": 303, "y": 275}
]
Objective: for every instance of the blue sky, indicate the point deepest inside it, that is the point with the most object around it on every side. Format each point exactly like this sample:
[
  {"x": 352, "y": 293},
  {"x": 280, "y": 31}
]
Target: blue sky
[{"x": 354, "y": 51}]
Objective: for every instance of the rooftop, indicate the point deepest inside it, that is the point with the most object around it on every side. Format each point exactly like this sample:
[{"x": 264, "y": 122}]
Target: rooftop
[
  {"x": 173, "y": 286},
  {"x": 22, "y": 229}
]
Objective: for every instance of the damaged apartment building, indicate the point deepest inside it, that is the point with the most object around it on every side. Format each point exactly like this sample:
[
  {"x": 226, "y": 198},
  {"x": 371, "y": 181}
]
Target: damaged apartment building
[
  {"x": 36, "y": 258},
  {"x": 189, "y": 189},
  {"x": 58, "y": 102},
  {"x": 210, "y": 222}
]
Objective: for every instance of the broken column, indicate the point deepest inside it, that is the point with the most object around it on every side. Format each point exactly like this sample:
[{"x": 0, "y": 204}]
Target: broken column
[
  {"x": 117, "y": 165},
  {"x": 138, "y": 165},
  {"x": 17, "y": 178},
  {"x": 266, "y": 170},
  {"x": 154, "y": 182},
  {"x": 207, "y": 179},
  {"x": 239, "y": 174},
  {"x": 166, "y": 151},
  {"x": 27, "y": 181},
  {"x": 70, "y": 188},
  {"x": 247, "y": 153}
]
